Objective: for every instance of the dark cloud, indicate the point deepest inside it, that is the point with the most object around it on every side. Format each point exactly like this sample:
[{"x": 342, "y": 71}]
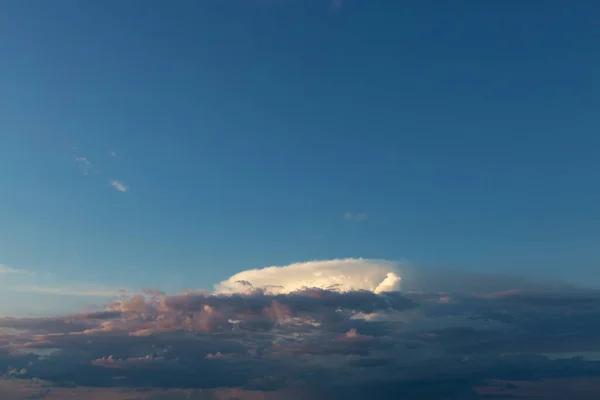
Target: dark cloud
[{"x": 312, "y": 342}]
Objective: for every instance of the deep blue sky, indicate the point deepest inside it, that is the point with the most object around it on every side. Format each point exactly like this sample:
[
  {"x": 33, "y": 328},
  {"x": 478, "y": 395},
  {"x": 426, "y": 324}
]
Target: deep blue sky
[{"x": 245, "y": 130}]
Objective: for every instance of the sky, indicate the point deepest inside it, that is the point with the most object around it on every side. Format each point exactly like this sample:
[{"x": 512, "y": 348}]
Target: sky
[{"x": 154, "y": 144}]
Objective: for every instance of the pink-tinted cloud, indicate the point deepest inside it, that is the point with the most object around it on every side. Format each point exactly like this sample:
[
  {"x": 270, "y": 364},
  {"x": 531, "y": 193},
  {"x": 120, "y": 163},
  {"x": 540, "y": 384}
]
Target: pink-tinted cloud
[
  {"x": 154, "y": 292},
  {"x": 120, "y": 186},
  {"x": 112, "y": 362},
  {"x": 499, "y": 295},
  {"x": 218, "y": 354},
  {"x": 254, "y": 337}
]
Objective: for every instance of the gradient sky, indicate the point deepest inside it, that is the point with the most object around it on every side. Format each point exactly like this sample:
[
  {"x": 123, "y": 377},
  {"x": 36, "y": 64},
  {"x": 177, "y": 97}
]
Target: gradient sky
[{"x": 173, "y": 144}]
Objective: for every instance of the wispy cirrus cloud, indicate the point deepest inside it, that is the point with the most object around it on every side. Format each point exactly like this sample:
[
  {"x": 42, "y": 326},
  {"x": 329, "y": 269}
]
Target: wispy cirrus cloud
[
  {"x": 5, "y": 269},
  {"x": 355, "y": 216},
  {"x": 118, "y": 185},
  {"x": 83, "y": 164},
  {"x": 72, "y": 290},
  {"x": 87, "y": 167}
]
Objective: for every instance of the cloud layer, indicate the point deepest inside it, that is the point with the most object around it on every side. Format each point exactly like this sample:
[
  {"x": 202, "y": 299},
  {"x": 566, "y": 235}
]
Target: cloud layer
[{"x": 323, "y": 329}]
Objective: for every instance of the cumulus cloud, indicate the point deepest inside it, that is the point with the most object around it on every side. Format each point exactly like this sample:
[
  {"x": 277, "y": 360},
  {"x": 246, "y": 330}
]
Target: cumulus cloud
[
  {"x": 341, "y": 275},
  {"x": 120, "y": 186},
  {"x": 391, "y": 283},
  {"x": 338, "y": 322}
]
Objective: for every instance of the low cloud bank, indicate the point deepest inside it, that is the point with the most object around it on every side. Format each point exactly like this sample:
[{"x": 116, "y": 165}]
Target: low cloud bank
[{"x": 338, "y": 322}]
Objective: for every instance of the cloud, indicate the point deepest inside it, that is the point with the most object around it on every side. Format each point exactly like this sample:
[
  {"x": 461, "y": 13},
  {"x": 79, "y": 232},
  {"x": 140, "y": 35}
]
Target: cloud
[
  {"x": 84, "y": 164},
  {"x": 336, "y": 4},
  {"x": 120, "y": 186},
  {"x": 74, "y": 290},
  {"x": 128, "y": 362},
  {"x": 341, "y": 275},
  {"x": 86, "y": 167},
  {"x": 355, "y": 216},
  {"x": 153, "y": 292},
  {"x": 5, "y": 269},
  {"x": 391, "y": 283},
  {"x": 341, "y": 328}
]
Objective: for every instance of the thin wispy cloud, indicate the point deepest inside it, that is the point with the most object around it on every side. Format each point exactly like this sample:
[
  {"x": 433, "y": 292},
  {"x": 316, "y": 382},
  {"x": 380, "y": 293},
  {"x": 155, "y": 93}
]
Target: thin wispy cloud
[
  {"x": 5, "y": 269},
  {"x": 83, "y": 164},
  {"x": 72, "y": 290},
  {"x": 355, "y": 216},
  {"x": 87, "y": 167},
  {"x": 336, "y": 4},
  {"x": 120, "y": 186}
]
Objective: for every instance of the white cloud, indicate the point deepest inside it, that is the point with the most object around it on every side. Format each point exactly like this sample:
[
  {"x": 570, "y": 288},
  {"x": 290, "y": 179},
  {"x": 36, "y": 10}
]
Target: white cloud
[
  {"x": 391, "y": 283},
  {"x": 120, "y": 186},
  {"x": 5, "y": 269},
  {"x": 84, "y": 164},
  {"x": 343, "y": 275},
  {"x": 316, "y": 335},
  {"x": 355, "y": 216},
  {"x": 86, "y": 167}
]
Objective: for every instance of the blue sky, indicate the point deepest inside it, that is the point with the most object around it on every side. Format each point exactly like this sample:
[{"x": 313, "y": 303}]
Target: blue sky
[{"x": 254, "y": 133}]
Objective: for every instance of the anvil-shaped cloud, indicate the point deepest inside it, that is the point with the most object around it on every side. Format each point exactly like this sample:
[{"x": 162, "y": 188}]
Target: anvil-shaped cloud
[{"x": 341, "y": 275}]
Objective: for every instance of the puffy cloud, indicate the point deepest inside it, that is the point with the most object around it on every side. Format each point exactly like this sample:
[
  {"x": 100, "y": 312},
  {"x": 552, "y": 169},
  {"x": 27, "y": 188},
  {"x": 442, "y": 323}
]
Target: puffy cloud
[
  {"x": 391, "y": 283},
  {"x": 341, "y": 275}
]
